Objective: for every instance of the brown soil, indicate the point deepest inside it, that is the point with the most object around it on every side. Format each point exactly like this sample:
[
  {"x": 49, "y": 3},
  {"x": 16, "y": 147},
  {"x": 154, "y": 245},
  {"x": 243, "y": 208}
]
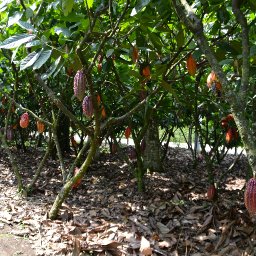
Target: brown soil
[{"x": 107, "y": 216}]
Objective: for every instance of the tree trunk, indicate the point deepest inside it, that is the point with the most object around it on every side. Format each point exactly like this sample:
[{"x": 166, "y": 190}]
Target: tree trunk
[
  {"x": 63, "y": 132},
  {"x": 152, "y": 153}
]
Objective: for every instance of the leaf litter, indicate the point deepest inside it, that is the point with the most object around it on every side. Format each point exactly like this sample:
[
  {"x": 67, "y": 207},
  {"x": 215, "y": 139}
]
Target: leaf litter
[{"x": 106, "y": 215}]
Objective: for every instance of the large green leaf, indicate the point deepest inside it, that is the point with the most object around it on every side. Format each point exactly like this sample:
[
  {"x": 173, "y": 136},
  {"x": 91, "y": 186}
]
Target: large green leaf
[
  {"x": 29, "y": 60},
  {"x": 14, "y": 19},
  {"x": 51, "y": 69},
  {"x": 44, "y": 56},
  {"x": 3, "y": 4},
  {"x": 88, "y": 3},
  {"x": 140, "y": 5},
  {"x": 25, "y": 25},
  {"x": 16, "y": 41},
  {"x": 67, "y": 6}
]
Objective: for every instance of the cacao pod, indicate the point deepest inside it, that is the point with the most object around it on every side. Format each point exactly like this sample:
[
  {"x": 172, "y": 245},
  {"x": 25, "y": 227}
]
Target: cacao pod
[
  {"x": 103, "y": 112},
  {"x": 231, "y": 135},
  {"x": 79, "y": 85},
  {"x": 9, "y": 133},
  {"x": 211, "y": 193},
  {"x": 146, "y": 71},
  {"x": 76, "y": 184},
  {"x": 127, "y": 132},
  {"x": 24, "y": 120},
  {"x": 40, "y": 126},
  {"x": 250, "y": 196},
  {"x": 211, "y": 78},
  {"x": 135, "y": 54},
  {"x": 213, "y": 83},
  {"x": 191, "y": 65},
  {"x": 87, "y": 106}
]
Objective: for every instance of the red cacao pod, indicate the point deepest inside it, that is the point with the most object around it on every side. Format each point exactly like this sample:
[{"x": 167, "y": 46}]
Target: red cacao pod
[
  {"x": 127, "y": 132},
  {"x": 87, "y": 106},
  {"x": 24, "y": 120},
  {"x": 79, "y": 85},
  {"x": 76, "y": 184},
  {"x": 191, "y": 65},
  {"x": 40, "y": 126},
  {"x": 250, "y": 196},
  {"x": 211, "y": 193}
]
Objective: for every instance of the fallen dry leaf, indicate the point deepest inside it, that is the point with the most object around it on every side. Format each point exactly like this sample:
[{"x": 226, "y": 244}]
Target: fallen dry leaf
[{"x": 145, "y": 247}]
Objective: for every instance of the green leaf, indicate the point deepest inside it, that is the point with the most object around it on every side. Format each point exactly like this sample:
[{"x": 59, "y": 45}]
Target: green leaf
[
  {"x": 16, "y": 41},
  {"x": 29, "y": 60},
  {"x": 88, "y": 3},
  {"x": 4, "y": 4},
  {"x": 51, "y": 69},
  {"x": 14, "y": 19},
  {"x": 45, "y": 55},
  {"x": 67, "y": 6},
  {"x": 33, "y": 43},
  {"x": 109, "y": 52},
  {"x": 25, "y": 25},
  {"x": 140, "y": 5}
]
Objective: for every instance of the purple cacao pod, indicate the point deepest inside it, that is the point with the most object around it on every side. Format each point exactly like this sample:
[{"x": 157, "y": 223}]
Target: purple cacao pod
[
  {"x": 87, "y": 106},
  {"x": 250, "y": 196},
  {"x": 79, "y": 85},
  {"x": 9, "y": 133}
]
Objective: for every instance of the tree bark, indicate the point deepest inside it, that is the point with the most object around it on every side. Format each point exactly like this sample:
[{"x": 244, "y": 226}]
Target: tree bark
[{"x": 152, "y": 153}]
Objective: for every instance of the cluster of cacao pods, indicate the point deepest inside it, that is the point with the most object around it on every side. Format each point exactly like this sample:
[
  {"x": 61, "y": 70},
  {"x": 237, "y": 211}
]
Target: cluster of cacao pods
[
  {"x": 250, "y": 196},
  {"x": 213, "y": 83},
  {"x": 229, "y": 126},
  {"x": 191, "y": 65}
]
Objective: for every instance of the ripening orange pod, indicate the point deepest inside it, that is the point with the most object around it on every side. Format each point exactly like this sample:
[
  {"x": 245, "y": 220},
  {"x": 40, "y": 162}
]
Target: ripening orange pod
[
  {"x": 211, "y": 78},
  {"x": 103, "y": 112},
  {"x": 135, "y": 54},
  {"x": 40, "y": 126},
  {"x": 24, "y": 120},
  {"x": 191, "y": 65},
  {"x": 146, "y": 71}
]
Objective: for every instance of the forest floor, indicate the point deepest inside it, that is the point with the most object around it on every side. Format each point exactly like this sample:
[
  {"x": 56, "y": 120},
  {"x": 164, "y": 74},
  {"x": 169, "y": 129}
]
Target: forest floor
[{"x": 107, "y": 216}]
